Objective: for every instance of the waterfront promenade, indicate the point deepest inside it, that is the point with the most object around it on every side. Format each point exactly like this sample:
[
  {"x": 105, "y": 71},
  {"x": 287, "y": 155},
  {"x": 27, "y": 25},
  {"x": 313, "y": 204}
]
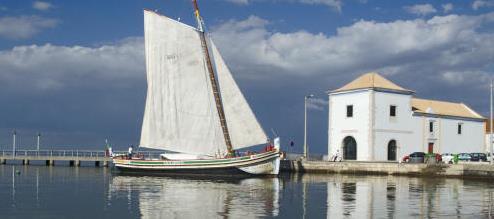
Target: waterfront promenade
[{"x": 464, "y": 169}]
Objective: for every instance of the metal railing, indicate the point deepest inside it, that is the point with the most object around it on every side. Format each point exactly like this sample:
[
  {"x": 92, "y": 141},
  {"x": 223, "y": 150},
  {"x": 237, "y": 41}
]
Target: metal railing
[{"x": 74, "y": 153}]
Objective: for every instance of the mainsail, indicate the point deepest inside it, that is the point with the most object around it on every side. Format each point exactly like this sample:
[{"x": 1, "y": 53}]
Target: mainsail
[{"x": 180, "y": 113}]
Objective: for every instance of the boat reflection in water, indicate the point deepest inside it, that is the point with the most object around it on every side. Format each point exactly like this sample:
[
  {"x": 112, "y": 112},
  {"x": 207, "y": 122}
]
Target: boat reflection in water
[
  {"x": 163, "y": 197},
  {"x": 28, "y": 192}
]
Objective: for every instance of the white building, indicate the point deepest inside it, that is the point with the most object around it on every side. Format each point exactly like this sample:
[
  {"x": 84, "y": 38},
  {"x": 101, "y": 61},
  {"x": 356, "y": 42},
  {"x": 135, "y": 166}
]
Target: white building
[
  {"x": 373, "y": 119},
  {"x": 488, "y": 136}
]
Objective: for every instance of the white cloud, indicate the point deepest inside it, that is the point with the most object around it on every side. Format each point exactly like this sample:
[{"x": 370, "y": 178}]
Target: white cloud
[
  {"x": 335, "y": 4},
  {"x": 456, "y": 78},
  {"x": 419, "y": 47},
  {"x": 317, "y": 104},
  {"x": 50, "y": 67},
  {"x": 42, "y": 6},
  {"x": 482, "y": 3},
  {"x": 23, "y": 27},
  {"x": 447, "y": 7},
  {"x": 239, "y": 2},
  {"x": 422, "y": 10}
]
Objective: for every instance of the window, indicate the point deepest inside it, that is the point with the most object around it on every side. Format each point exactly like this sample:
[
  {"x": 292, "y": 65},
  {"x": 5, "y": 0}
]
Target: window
[
  {"x": 459, "y": 128},
  {"x": 392, "y": 111},
  {"x": 431, "y": 126},
  {"x": 349, "y": 111}
]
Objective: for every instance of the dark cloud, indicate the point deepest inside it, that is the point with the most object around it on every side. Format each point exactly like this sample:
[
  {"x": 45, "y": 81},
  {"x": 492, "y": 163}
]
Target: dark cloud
[
  {"x": 23, "y": 27},
  {"x": 445, "y": 57},
  {"x": 74, "y": 95},
  {"x": 82, "y": 95}
]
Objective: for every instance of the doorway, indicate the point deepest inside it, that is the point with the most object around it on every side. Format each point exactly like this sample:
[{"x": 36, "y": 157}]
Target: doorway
[
  {"x": 430, "y": 149},
  {"x": 392, "y": 150},
  {"x": 349, "y": 148}
]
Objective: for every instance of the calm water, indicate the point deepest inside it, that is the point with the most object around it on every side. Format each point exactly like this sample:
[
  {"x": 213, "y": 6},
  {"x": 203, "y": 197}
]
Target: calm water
[{"x": 88, "y": 192}]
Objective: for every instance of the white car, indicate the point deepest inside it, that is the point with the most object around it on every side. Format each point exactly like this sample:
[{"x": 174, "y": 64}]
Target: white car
[{"x": 447, "y": 158}]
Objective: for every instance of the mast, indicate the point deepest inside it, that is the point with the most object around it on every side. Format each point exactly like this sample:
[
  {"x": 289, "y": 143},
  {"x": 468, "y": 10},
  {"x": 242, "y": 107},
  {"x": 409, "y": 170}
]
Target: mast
[{"x": 212, "y": 76}]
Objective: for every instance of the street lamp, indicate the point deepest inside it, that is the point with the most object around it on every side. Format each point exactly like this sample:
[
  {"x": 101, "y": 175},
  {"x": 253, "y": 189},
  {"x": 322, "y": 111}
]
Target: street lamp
[
  {"x": 306, "y": 151},
  {"x": 37, "y": 140},
  {"x": 14, "y": 133},
  {"x": 490, "y": 126}
]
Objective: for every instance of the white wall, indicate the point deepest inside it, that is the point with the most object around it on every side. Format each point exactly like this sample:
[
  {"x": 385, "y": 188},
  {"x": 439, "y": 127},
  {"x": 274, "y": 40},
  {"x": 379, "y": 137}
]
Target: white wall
[
  {"x": 399, "y": 128},
  {"x": 373, "y": 128},
  {"x": 446, "y": 138},
  {"x": 357, "y": 126},
  {"x": 470, "y": 140}
]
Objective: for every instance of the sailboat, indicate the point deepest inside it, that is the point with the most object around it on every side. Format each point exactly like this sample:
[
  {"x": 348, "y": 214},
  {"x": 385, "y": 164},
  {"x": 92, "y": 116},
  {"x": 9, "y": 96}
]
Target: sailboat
[{"x": 194, "y": 107}]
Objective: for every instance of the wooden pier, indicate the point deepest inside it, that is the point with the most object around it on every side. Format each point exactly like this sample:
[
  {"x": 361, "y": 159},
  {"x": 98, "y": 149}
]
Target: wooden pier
[{"x": 50, "y": 157}]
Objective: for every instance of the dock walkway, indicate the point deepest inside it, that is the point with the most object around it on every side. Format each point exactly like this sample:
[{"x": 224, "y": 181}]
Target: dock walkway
[{"x": 74, "y": 157}]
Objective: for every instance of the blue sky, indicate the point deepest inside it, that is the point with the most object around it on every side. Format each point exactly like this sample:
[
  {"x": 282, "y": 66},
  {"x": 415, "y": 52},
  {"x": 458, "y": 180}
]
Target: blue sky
[{"x": 74, "y": 70}]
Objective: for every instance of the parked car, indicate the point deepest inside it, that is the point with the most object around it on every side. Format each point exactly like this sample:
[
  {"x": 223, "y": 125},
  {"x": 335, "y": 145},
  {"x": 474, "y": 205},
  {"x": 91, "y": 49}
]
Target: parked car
[
  {"x": 417, "y": 154},
  {"x": 405, "y": 159},
  {"x": 448, "y": 158},
  {"x": 483, "y": 157},
  {"x": 415, "y": 157},
  {"x": 478, "y": 157},
  {"x": 464, "y": 157},
  {"x": 489, "y": 156}
]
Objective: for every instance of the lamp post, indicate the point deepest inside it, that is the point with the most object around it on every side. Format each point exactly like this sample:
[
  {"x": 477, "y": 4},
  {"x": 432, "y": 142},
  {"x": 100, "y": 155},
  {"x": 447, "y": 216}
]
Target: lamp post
[
  {"x": 306, "y": 150},
  {"x": 13, "y": 143},
  {"x": 37, "y": 141},
  {"x": 490, "y": 125}
]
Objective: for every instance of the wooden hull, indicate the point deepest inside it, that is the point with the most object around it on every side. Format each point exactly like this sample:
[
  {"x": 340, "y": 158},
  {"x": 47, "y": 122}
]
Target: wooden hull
[{"x": 266, "y": 163}]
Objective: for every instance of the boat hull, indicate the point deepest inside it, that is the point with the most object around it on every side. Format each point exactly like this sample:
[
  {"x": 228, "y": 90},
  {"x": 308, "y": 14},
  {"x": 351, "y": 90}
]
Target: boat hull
[{"x": 266, "y": 163}]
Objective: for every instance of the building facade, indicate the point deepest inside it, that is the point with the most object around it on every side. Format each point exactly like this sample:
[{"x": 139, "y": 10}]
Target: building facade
[{"x": 373, "y": 119}]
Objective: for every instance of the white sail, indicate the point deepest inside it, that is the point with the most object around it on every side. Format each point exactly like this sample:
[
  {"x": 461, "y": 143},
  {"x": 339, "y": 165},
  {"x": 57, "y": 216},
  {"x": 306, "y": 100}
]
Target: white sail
[
  {"x": 243, "y": 126},
  {"x": 179, "y": 114}
]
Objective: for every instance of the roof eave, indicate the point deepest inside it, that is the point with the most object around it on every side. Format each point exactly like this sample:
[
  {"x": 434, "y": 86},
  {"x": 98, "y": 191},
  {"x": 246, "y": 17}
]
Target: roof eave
[
  {"x": 387, "y": 90},
  {"x": 480, "y": 119}
]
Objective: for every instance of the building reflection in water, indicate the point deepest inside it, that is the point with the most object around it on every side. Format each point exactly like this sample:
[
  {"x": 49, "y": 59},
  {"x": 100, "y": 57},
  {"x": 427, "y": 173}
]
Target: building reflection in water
[
  {"x": 398, "y": 197},
  {"x": 97, "y": 192},
  {"x": 163, "y": 197}
]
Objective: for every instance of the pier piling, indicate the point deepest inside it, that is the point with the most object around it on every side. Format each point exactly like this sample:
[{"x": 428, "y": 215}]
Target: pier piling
[{"x": 50, "y": 162}]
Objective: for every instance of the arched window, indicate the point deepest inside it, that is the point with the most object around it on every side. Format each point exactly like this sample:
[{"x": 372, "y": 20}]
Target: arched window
[
  {"x": 392, "y": 150},
  {"x": 349, "y": 148}
]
